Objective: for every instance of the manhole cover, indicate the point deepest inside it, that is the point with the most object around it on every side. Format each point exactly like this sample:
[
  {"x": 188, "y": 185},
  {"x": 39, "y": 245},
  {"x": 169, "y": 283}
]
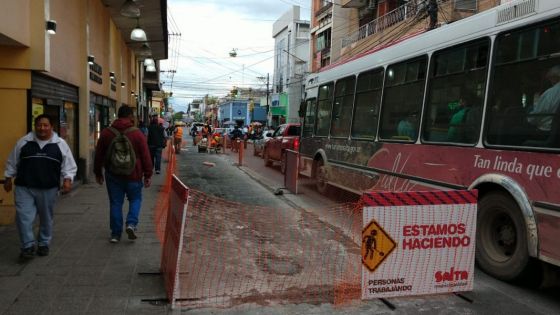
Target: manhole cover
[{"x": 280, "y": 265}]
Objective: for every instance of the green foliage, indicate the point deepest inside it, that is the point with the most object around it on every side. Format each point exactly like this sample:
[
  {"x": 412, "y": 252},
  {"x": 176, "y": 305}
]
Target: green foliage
[{"x": 178, "y": 115}]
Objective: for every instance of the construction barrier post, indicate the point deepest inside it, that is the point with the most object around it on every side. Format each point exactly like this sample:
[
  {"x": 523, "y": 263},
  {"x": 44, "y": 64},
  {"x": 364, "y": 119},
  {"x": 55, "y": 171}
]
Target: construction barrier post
[
  {"x": 240, "y": 152},
  {"x": 292, "y": 171}
]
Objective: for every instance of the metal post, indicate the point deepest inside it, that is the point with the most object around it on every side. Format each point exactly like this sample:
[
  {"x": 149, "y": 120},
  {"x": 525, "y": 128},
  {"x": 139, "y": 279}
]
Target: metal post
[
  {"x": 267, "y": 96},
  {"x": 240, "y": 152}
]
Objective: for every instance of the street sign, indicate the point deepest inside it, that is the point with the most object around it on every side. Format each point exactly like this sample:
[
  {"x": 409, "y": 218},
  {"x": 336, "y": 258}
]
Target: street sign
[{"x": 416, "y": 243}]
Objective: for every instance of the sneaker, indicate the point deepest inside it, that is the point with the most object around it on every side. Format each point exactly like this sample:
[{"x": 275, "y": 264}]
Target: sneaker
[
  {"x": 131, "y": 231},
  {"x": 43, "y": 251},
  {"x": 114, "y": 239},
  {"x": 157, "y": 172},
  {"x": 27, "y": 253}
]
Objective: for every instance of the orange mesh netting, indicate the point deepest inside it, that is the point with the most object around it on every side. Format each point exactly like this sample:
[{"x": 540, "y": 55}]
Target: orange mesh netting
[
  {"x": 237, "y": 253},
  {"x": 162, "y": 203}
]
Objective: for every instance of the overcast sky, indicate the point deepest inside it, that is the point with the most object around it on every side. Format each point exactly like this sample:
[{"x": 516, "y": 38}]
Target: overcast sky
[{"x": 209, "y": 30}]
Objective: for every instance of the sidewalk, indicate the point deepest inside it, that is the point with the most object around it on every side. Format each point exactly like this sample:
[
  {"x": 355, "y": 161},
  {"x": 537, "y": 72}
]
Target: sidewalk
[{"x": 84, "y": 273}]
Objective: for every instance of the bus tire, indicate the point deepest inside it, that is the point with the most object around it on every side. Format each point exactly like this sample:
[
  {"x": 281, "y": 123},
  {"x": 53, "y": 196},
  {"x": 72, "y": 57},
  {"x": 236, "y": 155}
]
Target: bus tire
[
  {"x": 267, "y": 160},
  {"x": 321, "y": 182},
  {"x": 283, "y": 163},
  {"x": 501, "y": 239}
]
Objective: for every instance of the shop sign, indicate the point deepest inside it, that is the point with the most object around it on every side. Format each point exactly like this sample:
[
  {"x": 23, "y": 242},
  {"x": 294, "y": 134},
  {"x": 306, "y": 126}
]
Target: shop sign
[{"x": 95, "y": 73}]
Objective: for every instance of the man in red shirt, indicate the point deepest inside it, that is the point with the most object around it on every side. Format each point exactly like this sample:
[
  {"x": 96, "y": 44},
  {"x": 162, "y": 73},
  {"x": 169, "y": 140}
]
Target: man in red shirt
[{"x": 119, "y": 186}]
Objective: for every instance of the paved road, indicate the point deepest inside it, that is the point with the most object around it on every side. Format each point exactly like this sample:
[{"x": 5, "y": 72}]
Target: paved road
[{"x": 254, "y": 184}]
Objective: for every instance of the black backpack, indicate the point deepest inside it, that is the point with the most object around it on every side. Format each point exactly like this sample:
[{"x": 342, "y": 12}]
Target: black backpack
[{"x": 121, "y": 157}]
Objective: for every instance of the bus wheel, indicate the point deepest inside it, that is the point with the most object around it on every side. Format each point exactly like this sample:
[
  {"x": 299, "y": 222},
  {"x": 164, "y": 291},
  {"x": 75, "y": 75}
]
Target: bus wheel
[
  {"x": 283, "y": 163},
  {"x": 267, "y": 160},
  {"x": 321, "y": 178},
  {"x": 501, "y": 240}
]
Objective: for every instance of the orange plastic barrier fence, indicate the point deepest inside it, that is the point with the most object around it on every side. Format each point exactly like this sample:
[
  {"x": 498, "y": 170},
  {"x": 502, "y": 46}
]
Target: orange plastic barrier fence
[
  {"x": 236, "y": 253},
  {"x": 173, "y": 238},
  {"x": 162, "y": 203}
]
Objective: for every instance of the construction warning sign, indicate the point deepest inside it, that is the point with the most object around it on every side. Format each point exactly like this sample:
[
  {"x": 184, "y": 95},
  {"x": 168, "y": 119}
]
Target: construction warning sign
[
  {"x": 416, "y": 243},
  {"x": 376, "y": 245}
]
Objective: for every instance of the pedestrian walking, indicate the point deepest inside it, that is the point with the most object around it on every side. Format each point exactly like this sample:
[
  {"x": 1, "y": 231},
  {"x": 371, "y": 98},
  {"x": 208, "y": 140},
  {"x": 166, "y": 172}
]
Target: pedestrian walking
[
  {"x": 156, "y": 142},
  {"x": 38, "y": 162},
  {"x": 122, "y": 151}
]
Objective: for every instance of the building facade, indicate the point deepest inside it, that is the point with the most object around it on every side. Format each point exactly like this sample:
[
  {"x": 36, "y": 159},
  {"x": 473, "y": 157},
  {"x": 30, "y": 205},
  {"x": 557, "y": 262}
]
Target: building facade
[
  {"x": 291, "y": 64},
  {"x": 80, "y": 75},
  {"x": 241, "y": 112},
  {"x": 374, "y": 24},
  {"x": 330, "y": 21}
]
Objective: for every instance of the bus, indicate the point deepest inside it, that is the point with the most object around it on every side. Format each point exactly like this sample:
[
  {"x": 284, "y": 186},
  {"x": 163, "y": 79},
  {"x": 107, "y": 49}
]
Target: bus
[{"x": 473, "y": 104}]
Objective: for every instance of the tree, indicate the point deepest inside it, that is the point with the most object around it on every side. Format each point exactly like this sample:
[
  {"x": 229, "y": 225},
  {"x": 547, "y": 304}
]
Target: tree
[{"x": 178, "y": 115}]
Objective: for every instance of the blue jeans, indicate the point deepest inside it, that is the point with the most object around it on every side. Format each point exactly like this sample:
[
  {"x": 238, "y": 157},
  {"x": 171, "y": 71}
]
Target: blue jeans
[
  {"x": 29, "y": 203},
  {"x": 155, "y": 153},
  {"x": 117, "y": 188}
]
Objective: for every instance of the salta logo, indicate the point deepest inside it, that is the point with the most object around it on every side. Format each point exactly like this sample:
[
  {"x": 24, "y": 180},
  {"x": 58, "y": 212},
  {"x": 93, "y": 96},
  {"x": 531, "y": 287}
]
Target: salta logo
[{"x": 451, "y": 275}]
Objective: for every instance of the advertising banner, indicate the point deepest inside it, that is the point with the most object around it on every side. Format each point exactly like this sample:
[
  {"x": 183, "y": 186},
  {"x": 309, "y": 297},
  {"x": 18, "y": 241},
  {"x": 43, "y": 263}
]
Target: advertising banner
[{"x": 416, "y": 243}]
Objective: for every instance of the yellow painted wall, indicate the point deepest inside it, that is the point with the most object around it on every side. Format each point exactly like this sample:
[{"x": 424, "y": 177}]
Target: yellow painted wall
[
  {"x": 67, "y": 63},
  {"x": 13, "y": 92},
  {"x": 99, "y": 42},
  {"x": 125, "y": 73},
  {"x": 11, "y": 17}
]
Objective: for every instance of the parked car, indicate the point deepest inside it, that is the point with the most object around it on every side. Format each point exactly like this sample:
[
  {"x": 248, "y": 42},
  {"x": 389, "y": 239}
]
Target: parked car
[{"x": 285, "y": 137}]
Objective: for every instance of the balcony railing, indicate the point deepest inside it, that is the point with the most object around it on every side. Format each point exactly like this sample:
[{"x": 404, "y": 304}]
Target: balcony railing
[
  {"x": 324, "y": 9},
  {"x": 404, "y": 12}
]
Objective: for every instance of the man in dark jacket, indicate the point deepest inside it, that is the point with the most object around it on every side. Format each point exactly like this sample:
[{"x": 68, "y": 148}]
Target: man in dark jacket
[
  {"x": 38, "y": 162},
  {"x": 118, "y": 185},
  {"x": 156, "y": 142}
]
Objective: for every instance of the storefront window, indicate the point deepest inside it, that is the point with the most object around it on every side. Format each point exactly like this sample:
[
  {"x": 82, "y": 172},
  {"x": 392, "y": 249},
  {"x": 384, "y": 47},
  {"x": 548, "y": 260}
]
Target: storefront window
[
  {"x": 67, "y": 125},
  {"x": 37, "y": 109}
]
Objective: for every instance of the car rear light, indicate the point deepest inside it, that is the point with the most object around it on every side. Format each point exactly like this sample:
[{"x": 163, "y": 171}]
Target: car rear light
[{"x": 296, "y": 144}]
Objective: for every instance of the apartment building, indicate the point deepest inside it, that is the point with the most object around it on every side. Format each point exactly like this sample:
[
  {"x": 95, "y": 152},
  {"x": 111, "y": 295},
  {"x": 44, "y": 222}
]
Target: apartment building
[
  {"x": 374, "y": 24},
  {"x": 291, "y": 64},
  {"x": 78, "y": 61},
  {"x": 330, "y": 21}
]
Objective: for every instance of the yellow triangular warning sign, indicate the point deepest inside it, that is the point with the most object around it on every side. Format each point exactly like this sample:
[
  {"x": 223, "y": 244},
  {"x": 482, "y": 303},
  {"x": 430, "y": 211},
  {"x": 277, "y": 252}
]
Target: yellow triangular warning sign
[{"x": 376, "y": 245}]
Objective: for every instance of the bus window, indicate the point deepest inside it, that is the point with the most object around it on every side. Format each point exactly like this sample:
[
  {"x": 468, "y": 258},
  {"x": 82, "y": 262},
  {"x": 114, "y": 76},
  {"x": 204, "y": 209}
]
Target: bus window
[
  {"x": 456, "y": 94},
  {"x": 525, "y": 92},
  {"x": 324, "y": 109},
  {"x": 402, "y": 100},
  {"x": 342, "y": 107},
  {"x": 368, "y": 98},
  {"x": 309, "y": 123}
]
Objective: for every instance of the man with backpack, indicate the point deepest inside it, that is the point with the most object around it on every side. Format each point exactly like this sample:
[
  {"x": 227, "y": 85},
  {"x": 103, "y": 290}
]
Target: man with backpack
[{"x": 122, "y": 150}]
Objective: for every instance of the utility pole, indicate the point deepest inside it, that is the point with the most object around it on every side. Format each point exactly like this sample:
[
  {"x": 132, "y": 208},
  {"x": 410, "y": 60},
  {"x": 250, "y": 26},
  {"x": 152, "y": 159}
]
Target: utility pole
[{"x": 267, "y": 96}]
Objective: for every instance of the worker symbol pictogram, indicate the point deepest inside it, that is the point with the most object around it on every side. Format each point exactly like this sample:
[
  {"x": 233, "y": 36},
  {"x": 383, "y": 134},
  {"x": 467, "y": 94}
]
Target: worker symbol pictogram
[{"x": 376, "y": 245}]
